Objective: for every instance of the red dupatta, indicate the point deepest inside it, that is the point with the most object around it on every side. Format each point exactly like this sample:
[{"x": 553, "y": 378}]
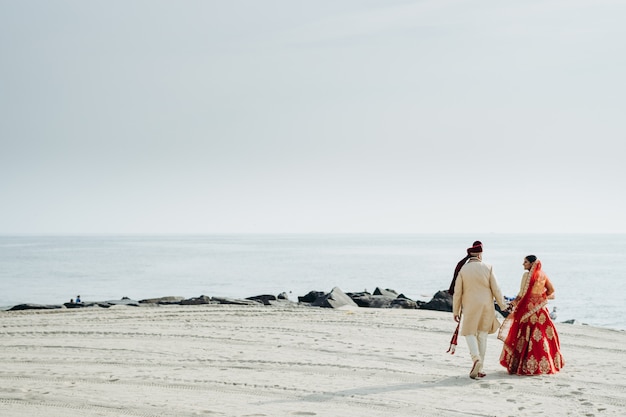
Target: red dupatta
[
  {"x": 529, "y": 304},
  {"x": 454, "y": 340}
]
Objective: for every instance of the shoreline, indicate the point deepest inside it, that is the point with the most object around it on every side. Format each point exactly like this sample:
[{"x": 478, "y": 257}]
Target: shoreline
[
  {"x": 261, "y": 300},
  {"x": 417, "y": 265},
  {"x": 291, "y": 360}
]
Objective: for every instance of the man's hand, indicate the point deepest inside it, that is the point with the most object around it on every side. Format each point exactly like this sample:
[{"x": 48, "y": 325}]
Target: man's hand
[{"x": 457, "y": 318}]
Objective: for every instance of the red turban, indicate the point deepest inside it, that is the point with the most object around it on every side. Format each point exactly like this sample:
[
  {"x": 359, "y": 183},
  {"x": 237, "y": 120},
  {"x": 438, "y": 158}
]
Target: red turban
[{"x": 477, "y": 247}]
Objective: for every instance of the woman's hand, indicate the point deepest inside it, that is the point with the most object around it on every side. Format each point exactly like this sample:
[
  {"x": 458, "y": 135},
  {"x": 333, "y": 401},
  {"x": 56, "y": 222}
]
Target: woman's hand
[{"x": 549, "y": 290}]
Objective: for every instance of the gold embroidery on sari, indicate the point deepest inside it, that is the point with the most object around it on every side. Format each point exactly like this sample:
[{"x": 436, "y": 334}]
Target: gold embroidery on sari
[
  {"x": 542, "y": 318},
  {"x": 544, "y": 365},
  {"x": 537, "y": 335},
  {"x": 531, "y": 365}
]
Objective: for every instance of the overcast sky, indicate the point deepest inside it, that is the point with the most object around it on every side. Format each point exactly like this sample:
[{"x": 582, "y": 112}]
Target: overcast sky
[{"x": 312, "y": 116}]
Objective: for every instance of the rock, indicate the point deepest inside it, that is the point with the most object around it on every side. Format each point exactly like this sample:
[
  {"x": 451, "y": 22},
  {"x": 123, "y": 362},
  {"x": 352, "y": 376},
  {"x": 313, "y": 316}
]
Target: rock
[
  {"x": 235, "y": 301},
  {"x": 387, "y": 292},
  {"x": 368, "y": 300},
  {"x": 283, "y": 296},
  {"x": 335, "y": 299},
  {"x": 311, "y": 296},
  {"x": 163, "y": 300},
  {"x": 263, "y": 299},
  {"x": 123, "y": 302},
  {"x": 74, "y": 305},
  {"x": 280, "y": 302},
  {"x": 203, "y": 299},
  {"x": 574, "y": 321},
  {"x": 403, "y": 303},
  {"x": 362, "y": 299},
  {"x": 441, "y": 301},
  {"x": 28, "y": 306},
  {"x": 103, "y": 304}
]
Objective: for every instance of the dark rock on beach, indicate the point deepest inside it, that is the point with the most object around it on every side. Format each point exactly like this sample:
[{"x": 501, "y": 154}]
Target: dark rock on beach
[
  {"x": 441, "y": 301},
  {"x": 265, "y": 299},
  {"x": 123, "y": 302},
  {"x": 383, "y": 299},
  {"x": 163, "y": 300},
  {"x": 574, "y": 321},
  {"x": 203, "y": 299},
  {"x": 334, "y": 299},
  {"x": 402, "y": 302},
  {"x": 74, "y": 305},
  {"x": 367, "y": 300},
  {"x": 311, "y": 296},
  {"x": 235, "y": 301},
  {"x": 35, "y": 307},
  {"x": 386, "y": 292}
]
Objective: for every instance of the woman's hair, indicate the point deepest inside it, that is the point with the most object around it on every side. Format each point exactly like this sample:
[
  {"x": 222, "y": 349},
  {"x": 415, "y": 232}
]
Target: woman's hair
[{"x": 531, "y": 258}]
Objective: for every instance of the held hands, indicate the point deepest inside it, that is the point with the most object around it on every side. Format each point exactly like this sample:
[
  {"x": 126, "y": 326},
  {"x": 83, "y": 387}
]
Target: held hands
[{"x": 511, "y": 306}]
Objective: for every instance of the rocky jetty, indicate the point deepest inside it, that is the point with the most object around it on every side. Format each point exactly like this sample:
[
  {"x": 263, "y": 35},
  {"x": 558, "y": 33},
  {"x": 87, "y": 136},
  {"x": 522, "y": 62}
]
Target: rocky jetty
[{"x": 336, "y": 298}]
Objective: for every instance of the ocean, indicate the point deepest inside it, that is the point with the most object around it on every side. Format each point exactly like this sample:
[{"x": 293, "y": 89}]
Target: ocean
[{"x": 587, "y": 270}]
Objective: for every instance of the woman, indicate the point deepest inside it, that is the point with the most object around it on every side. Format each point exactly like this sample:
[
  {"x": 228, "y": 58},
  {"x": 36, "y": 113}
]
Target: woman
[{"x": 531, "y": 343}]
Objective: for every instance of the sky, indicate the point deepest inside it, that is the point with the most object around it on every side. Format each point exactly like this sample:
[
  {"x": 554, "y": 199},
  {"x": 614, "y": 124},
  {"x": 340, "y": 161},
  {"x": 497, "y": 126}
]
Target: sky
[{"x": 325, "y": 116}]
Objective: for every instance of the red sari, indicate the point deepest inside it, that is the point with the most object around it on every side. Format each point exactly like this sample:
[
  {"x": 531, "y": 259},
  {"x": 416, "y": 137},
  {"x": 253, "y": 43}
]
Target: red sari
[{"x": 531, "y": 343}]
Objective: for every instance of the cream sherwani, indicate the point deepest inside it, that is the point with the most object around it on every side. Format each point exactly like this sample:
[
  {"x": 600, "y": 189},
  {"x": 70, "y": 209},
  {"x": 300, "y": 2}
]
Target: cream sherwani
[{"x": 475, "y": 289}]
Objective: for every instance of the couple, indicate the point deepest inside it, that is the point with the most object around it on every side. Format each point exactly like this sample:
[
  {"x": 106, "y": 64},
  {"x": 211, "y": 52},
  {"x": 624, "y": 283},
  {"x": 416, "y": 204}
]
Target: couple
[{"x": 531, "y": 343}]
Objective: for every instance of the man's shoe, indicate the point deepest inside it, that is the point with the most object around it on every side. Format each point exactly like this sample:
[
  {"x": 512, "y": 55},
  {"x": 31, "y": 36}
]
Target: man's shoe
[{"x": 475, "y": 369}]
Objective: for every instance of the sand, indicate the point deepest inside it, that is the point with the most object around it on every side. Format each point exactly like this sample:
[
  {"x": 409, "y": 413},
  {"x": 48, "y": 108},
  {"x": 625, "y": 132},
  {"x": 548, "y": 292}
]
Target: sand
[{"x": 220, "y": 360}]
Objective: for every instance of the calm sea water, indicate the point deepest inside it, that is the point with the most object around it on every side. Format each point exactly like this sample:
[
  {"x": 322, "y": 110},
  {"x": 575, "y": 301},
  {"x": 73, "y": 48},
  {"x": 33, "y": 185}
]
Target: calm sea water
[{"x": 588, "y": 271}]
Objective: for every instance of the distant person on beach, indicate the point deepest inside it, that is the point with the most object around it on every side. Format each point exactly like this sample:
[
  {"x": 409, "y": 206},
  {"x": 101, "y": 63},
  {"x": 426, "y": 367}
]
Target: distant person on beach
[
  {"x": 474, "y": 292},
  {"x": 78, "y": 299},
  {"x": 531, "y": 343}
]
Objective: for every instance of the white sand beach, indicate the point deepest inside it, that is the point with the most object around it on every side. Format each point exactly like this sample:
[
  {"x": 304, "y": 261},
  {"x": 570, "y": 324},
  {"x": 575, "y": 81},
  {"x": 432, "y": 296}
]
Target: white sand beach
[{"x": 220, "y": 360}]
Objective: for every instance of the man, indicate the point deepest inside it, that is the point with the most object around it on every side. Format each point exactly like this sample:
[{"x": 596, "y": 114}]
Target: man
[{"x": 474, "y": 291}]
